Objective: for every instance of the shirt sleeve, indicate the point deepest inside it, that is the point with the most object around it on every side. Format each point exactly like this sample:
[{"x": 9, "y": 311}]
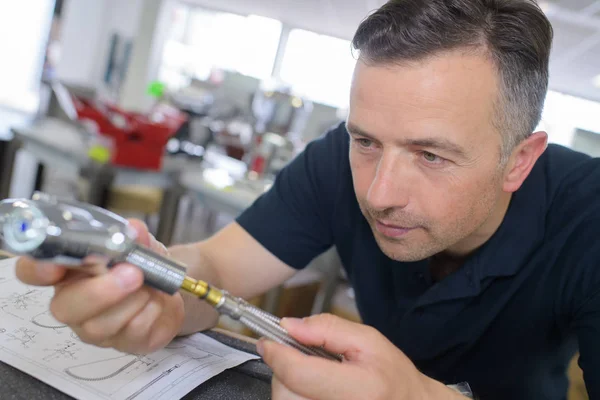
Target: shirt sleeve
[
  {"x": 588, "y": 332},
  {"x": 585, "y": 306},
  {"x": 293, "y": 219},
  {"x": 577, "y": 219}
]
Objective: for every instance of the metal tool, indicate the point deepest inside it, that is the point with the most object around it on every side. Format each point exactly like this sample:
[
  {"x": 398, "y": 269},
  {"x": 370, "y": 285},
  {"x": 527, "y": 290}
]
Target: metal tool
[{"x": 77, "y": 235}]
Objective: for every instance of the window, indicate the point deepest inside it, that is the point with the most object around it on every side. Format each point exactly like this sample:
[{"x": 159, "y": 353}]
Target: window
[
  {"x": 319, "y": 67},
  {"x": 211, "y": 39},
  {"x": 174, "y": 68},
  {"x": 564, "y": 113}
]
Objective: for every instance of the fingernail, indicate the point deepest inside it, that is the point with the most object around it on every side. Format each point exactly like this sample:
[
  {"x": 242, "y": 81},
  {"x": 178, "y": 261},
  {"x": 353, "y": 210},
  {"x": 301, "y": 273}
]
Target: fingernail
[
  {"x": 127, "y": 276},
  {"x": 260, "y": 347}
]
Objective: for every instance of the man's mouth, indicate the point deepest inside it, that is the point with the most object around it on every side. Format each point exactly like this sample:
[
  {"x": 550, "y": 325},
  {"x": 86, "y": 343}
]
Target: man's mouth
[{"x": 390, "y": 230}]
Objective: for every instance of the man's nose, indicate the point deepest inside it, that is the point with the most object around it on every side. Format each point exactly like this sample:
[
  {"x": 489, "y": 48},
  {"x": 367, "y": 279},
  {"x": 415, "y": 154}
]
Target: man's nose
[{"x": 390, "y": 186}]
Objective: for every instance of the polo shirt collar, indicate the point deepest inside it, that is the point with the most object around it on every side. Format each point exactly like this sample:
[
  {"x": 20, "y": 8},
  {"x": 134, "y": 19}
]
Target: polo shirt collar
[{"x": 520, "y": 232}]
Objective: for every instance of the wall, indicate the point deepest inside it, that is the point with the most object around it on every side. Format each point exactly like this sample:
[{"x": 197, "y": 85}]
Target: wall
[
  {"x": 121, "y": 17},
  {"x": 87, "y": 29},
  {"x": 24, "y": 32},
  {"x": 145, "y": 57},
  {"x": 82, "y": 25}
]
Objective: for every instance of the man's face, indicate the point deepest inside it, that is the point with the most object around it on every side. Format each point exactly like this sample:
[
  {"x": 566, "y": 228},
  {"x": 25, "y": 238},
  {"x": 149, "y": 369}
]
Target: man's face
[{"x": 424, "y": 153}]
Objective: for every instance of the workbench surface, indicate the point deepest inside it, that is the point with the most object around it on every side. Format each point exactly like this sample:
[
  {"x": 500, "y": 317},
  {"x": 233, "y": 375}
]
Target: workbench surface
[{"x": 250, "y": 380}]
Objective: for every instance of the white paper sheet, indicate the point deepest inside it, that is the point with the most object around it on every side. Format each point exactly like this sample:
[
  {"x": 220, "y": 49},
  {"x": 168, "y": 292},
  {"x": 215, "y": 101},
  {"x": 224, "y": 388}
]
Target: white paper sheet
[{"x": 34, "y": 342}]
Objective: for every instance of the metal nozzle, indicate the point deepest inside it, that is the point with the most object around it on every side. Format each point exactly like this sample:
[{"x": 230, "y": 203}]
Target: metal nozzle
[{"x": 71, "y": 233}]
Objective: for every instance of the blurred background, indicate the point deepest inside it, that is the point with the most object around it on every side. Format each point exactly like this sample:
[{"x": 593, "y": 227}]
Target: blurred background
[{"x": 183, "y": 112}]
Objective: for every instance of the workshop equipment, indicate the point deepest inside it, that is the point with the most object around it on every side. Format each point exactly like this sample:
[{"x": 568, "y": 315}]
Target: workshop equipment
[
  {"x": 270, "y": 154},
  {"x": 76, "y": 234},
  {"x": 277, "y": 110},
  {"x": 138, "y": 140}
]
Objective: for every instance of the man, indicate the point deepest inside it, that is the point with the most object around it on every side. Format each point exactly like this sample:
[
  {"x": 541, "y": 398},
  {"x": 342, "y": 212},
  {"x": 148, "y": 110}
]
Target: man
[{"x": 463, "y": 233}]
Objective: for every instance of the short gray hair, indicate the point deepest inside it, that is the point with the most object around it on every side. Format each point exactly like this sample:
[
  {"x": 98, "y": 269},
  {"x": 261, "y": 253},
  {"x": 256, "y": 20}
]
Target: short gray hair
[{"x": 515, "y": 34}]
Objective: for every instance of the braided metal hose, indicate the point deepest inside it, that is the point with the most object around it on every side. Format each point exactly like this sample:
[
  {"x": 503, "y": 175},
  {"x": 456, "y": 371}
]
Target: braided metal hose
[{"x": 267, "y": 325}]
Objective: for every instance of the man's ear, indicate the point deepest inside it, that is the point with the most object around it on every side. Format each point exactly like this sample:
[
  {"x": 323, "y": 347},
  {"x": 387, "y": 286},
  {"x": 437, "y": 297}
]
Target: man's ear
[{"x": 522, "y": 160}]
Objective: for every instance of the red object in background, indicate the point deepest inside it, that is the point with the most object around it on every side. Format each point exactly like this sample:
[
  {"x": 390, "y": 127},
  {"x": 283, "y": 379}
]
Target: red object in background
[
  {"x": 139, "y": 140},
  {"x": 258, "y": 164},
  {"x": 258, "y": 161}
]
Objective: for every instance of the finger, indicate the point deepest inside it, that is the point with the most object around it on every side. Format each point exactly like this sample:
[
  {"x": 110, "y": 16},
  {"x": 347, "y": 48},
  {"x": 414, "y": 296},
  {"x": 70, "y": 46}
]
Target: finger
[
  {"x": 154, "y": 327},
  {"x": 145, "y": 238},
  {"x": 280, "y": 392},
  {"x": 107, "y": 324},
  {"x": 169, "y": 323},
  {"x": 36, "y": 273},
  {"x": 71, "y": 276},
  {"x": 333, "y": 333},
  {"x": 158, "y": 246},
  {"x": 310, "y": 376},
  {"x": 141, "y": 230},
  {"x": 77, "y": 302},
  {"x": 135, "y": 337}
]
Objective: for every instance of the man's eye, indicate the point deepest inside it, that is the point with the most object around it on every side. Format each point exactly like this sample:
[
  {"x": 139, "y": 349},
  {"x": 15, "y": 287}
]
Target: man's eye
[
  {"x": 364, "y": 142},
  {"x": 432, "y": 158}
]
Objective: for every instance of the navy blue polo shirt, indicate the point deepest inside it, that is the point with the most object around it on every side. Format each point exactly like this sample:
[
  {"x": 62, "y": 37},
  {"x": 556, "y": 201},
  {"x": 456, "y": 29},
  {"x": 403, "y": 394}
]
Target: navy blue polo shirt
[{"x": 508, "y": 321}]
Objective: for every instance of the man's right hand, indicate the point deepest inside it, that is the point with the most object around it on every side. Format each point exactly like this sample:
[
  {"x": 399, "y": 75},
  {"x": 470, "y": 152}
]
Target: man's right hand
[{"x": 113, "y": 309}]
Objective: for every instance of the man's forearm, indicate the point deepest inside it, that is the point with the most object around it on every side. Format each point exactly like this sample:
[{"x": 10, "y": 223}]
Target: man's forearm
[
  {"x": 199, "y": 315},
  {"x": 231, "y": 260}
]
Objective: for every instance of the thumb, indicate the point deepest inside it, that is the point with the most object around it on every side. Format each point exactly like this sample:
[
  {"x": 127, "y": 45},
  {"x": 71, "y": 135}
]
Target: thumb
[
  {"x": 335, "y": 334},
  {"x": 145, "y": 238}
]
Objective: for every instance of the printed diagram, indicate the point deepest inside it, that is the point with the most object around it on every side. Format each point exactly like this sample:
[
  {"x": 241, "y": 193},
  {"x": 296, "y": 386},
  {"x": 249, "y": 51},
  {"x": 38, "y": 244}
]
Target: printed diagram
[
  {"x": 163, "y": 375},
  {"x": 22, "y": 335},
  {"x": 17, "y": 304},
  {"x": 32, "y": 340},
  {"x": 66, "y": 350},
  {"x": 21, "y": 301},
  {"x": 6, "y": 279},
  {"x": 46, "y": 320},
  {"x": 124, "y": 371},
  {"x": 105, "y": 369}
]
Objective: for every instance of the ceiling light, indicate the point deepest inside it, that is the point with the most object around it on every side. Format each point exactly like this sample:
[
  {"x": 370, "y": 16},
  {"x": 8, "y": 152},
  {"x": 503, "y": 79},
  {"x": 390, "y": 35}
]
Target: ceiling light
[{"x": 596, "y": 81}]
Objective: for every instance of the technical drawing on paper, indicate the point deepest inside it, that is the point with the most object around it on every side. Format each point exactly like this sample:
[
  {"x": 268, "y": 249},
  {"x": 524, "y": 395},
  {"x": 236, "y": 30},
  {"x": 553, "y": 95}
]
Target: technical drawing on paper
[
  {"x": 23, "y": 336},
  {"x": 105, "y": 369},
  {"x": 66, "y": 350},
  {"x": 34, "y": 342},
  {"x": 123, "y": 372},
  {"x": 46, "y": 320},
  {"x": 5, "y": 280},
  {"x": 18, "y": 304},
  {"x": 164, "y": 374}
]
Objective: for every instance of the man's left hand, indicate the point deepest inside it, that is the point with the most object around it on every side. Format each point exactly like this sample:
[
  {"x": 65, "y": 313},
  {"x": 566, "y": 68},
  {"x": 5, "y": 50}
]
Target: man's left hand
[{"x": 373, "y": 368}]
